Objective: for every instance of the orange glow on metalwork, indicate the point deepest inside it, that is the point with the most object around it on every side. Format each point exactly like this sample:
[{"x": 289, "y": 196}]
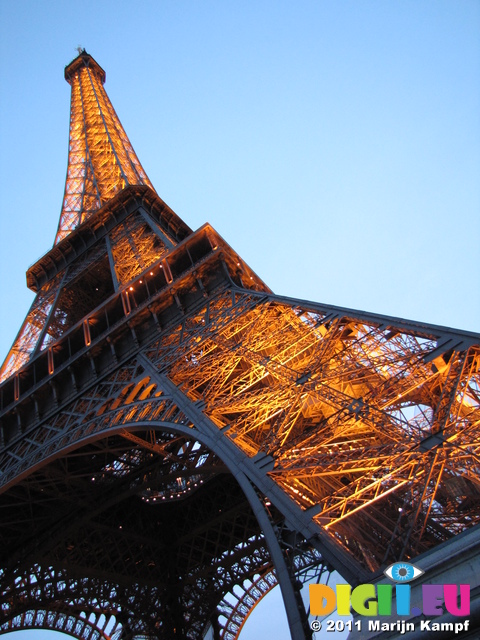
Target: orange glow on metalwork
[
  {"x": 101, "y": 160},
  {"x": 343, "y": 407}
]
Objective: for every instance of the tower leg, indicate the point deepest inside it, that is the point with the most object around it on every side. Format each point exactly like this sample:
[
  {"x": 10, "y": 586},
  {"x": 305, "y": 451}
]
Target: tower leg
[
  {"x": 294, "y": 608},
  {"x": 296, "y": 615}
]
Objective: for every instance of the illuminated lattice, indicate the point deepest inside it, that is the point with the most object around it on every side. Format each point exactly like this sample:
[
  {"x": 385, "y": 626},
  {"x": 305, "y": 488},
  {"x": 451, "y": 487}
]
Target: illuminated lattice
[{"x": 101, "y": 160}]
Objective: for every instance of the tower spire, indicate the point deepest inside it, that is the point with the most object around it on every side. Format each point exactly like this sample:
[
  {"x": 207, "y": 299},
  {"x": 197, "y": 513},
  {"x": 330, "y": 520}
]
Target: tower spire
[{"x": 101, "y": 160}]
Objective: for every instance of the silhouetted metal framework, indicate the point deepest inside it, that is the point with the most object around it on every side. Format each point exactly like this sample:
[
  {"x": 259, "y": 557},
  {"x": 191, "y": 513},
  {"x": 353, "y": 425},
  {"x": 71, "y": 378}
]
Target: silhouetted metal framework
[{"x": 176, "y": 439}]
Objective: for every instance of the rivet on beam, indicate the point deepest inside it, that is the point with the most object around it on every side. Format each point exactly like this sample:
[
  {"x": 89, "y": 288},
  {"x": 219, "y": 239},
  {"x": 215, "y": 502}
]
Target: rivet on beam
[{"x": 72, "y": 376}]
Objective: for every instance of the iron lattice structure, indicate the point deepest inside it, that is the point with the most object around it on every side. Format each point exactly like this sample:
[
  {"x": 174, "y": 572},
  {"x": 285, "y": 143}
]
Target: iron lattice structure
[
  {"x": 101, "y": 160},
  {"x": 176, "y": 439}
]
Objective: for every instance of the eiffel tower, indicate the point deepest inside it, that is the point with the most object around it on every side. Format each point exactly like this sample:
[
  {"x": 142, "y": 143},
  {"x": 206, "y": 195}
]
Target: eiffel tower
[{"x": 176, "y": 439}]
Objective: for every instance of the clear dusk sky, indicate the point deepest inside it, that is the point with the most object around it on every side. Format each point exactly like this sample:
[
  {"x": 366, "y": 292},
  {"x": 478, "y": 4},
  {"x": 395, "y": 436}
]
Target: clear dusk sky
[{"x": 334, "y": 144}]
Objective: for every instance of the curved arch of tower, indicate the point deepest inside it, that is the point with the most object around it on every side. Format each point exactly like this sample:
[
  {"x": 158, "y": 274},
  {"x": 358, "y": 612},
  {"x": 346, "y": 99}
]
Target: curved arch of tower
[{"x": 176, "y": 439}]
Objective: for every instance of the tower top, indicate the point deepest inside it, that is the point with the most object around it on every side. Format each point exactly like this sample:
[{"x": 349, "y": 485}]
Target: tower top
[
  {"x": 84, "y": 59},
  {"x": 101, "y": 160}
]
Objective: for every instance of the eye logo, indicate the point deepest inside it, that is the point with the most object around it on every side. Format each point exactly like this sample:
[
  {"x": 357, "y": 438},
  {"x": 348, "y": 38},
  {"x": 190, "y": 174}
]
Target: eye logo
[
  {"x": 378, "y": 600},
  {"x": 403, "y": 572}
]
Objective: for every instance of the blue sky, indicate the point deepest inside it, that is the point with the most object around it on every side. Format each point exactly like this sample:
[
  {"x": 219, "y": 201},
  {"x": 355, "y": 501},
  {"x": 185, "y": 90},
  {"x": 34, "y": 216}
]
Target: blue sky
[{"x": 335, "y": 145}]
